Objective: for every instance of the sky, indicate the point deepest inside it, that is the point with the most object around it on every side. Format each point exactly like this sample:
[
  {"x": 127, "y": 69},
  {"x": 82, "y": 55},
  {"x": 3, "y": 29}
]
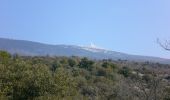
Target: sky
[{"x": 128, "y": 26}]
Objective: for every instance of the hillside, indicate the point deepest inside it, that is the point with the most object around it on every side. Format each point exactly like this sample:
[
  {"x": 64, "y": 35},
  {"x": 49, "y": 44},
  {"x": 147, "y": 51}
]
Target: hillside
[{"x": 29, "y": 48}]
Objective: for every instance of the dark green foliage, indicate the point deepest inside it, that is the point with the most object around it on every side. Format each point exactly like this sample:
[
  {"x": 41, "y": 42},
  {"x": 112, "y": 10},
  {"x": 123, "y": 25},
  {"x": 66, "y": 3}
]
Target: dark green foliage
[
  {"x": 55, "y": 65},
  {"x": 101, "y": 72},
  {"x": 107, "y": 64},
  {"x": 62, "y": 78},
  {"x": 72, "y": 62},
  {"x": 125, "y": 71},
  {"x": 86, "y": 64}
]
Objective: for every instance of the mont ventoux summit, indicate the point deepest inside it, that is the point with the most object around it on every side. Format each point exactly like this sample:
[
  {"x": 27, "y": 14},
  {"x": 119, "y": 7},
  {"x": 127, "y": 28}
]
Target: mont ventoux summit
[{"x": 29, "y": 48}]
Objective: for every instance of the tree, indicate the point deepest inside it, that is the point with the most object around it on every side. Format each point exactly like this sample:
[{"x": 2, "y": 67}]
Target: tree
[
  {"x": 86, "y": 64},
  {"x": 4, "y": 57},
  {"x": 64, "y": 84},
  {"x": 125, "y": 71},
  {"x": 72, "y": 62},
  {"x": 165, "y": 45},
  {"x": 55, "y": 65}
]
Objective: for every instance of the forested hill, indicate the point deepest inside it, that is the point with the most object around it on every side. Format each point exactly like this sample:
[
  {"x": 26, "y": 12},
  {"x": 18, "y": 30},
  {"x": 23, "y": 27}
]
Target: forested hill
[{"x": 29, "y": 48}]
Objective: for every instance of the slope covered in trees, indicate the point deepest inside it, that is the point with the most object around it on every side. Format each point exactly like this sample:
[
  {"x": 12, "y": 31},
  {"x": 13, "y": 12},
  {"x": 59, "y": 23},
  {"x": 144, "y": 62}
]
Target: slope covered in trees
[
  {"x": 29, "y": 48},
  {"x": 74, "y": 78}
]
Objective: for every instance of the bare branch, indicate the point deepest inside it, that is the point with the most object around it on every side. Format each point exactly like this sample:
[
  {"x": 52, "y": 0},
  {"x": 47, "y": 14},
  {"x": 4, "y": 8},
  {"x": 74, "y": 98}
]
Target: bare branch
[{"x": 165, "y": 45}]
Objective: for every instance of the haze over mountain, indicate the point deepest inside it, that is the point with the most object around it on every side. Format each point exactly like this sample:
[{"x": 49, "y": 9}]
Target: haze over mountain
[{"x": 29, "y": 48}]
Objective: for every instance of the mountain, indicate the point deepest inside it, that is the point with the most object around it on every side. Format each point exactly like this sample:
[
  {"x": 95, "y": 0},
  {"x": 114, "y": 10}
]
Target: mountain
[{"x": 29, "y": 48}]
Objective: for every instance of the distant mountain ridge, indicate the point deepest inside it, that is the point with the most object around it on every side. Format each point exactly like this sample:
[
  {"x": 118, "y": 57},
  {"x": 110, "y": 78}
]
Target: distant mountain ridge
[{"x": 29, "y": 48}]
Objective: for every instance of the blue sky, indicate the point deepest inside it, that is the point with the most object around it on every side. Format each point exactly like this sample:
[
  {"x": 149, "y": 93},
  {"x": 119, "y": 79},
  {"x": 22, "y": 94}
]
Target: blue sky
[{"x": 129, "y": 26}]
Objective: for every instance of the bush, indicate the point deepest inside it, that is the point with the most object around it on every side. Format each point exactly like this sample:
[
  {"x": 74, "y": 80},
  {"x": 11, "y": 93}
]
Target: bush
[
  {"x": 86, "y": 64},
  {"x": 125, "y": 71}
]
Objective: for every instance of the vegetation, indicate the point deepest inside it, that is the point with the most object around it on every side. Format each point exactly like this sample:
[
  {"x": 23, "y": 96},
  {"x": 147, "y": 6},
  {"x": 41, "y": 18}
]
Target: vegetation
[{"x": 74, "y": 78}]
